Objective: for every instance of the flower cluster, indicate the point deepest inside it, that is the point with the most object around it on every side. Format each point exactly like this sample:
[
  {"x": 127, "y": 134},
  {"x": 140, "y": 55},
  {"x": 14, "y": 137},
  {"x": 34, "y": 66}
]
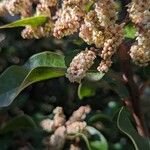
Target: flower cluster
[
  {"x": 89, "y": 30},
  {"x": 80, "y": 65},
  {"x": 61, "y": 129},
  {"x": 140, "y": 52},
  {"x": 100, "y": 28},
  {"x": 3, "y": 10},
  {"x": 40, "y": 31},
  {"x": 17, "y": 7},
  {"x": 106, "y": 12},
  {"x": 139, "y": 12},
  {"x": 113, "y": 40},
  {"x": 68, "y": 18},
  {"x": 68, "y": 21}
]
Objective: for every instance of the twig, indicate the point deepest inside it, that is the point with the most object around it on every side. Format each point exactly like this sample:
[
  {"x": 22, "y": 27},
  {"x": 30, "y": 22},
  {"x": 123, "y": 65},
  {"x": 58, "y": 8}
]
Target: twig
[{"x": 134, "y": 101}]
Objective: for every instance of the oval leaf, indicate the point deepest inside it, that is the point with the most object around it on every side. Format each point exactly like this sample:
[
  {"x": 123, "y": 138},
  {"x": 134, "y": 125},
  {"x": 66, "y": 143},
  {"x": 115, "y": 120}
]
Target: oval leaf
[
  {"x": 42, "y": 66},
  {"x": 33, "y": 21},
  {"x": 125, "y": 125}
]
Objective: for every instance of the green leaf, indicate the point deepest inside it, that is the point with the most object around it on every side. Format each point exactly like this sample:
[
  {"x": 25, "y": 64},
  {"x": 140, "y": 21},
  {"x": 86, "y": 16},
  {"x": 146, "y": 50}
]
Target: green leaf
[
  {"x": 130, "y": 31},
  {"x": 85, "y": 90},
  {"x": 94, "y": 76},
  {"x": 33, "y": 21},
  {"x": 42, "y": 66},
  {"x": 88, "y": 87},
  {"x": 125, "y": 125},
  {"x": 98, "y": 142},
  {"x": 18, "y": 123}
]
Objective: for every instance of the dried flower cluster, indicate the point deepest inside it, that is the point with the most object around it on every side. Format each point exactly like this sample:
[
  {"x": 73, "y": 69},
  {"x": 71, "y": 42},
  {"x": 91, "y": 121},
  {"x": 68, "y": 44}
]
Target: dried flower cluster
[
  {"x": 62, "y": 129},
  {"x": 139, "y": 12}
]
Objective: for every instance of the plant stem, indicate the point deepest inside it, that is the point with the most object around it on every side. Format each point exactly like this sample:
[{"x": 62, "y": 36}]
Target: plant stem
[{"x": 134, "y": 101}]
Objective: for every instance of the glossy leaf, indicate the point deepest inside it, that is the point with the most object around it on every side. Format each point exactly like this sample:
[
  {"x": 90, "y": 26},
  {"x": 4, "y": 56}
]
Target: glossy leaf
[
  {"x": 33, "y": 21},
  {"x": 85, "y": 90},
  {"x": 18, "y": 123},
  {"x": 42, "y": 66},
  {"x": 125, "y": 125}
]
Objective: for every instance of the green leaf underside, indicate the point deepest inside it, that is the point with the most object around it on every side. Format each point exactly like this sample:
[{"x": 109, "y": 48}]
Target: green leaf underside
[
  {"x": 125, "y": 125},
  {"x": 42, "y": 66},
  {"x": 17, "y": 123},
  {"x": 33, "y": 21},
  {"x": 94, "y": 76}
]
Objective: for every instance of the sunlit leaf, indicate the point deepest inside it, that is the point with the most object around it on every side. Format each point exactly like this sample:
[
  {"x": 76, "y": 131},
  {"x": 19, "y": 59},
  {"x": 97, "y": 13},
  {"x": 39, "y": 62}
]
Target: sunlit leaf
[{"x": 33, "y": 21}]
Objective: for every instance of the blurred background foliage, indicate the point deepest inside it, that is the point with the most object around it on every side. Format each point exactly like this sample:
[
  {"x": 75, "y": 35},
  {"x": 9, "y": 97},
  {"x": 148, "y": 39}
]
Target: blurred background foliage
[{"x": 19, "y": 122}]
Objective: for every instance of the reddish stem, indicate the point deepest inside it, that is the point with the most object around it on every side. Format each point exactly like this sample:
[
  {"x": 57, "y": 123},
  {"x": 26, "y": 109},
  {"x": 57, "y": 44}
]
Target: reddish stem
[{"x": 133, "y": 103}]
